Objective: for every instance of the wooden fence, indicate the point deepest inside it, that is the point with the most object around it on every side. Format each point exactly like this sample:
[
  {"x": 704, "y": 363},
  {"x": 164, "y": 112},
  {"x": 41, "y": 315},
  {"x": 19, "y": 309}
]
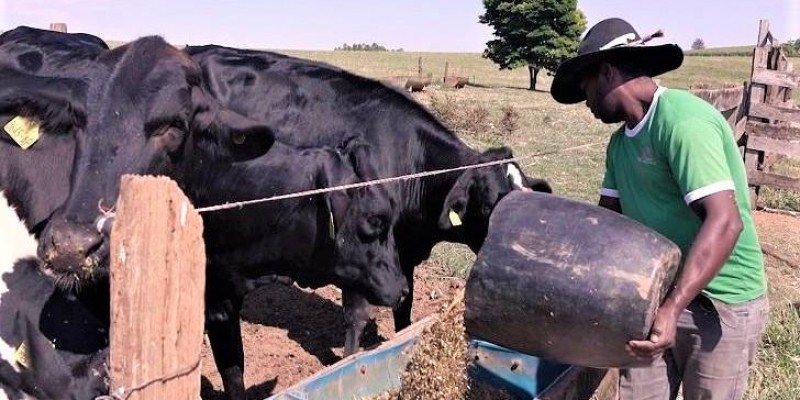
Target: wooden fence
[
  {"x": 773, "y": 123},
  {"x": 762, "y": 114}
]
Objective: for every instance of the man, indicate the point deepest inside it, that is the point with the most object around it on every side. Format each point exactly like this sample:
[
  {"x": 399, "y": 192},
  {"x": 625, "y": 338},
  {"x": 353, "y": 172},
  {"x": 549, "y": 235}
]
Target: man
[{"x": 675, "y": 166}]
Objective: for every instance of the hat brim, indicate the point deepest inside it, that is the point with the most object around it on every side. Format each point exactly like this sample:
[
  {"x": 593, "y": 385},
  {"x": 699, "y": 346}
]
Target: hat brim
[{"x": 653, "y": 60}]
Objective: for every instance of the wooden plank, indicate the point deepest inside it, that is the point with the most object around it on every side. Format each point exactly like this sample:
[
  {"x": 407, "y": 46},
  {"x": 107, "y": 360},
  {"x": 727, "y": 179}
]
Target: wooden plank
[
  {"x": 761, "y": 178},
  {"x": 722, "y": 99},
  {"x": 772, "y": 112},
  {"x": 778, "y": 132},
  {"x": 763, "y": 33},
  {"x": 757, "y": 90},
  {"x": 157, "y": 289},
  {"x": 777, "y": 78},
  {"x": 739, "y": 129},
  {"x": 774, "y": 146}
]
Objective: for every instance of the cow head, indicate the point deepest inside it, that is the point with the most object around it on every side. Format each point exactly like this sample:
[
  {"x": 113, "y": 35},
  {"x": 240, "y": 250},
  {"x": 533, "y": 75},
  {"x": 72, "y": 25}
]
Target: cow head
[
  {"x": 363, "y": 220},
  {"x": 149, "y": 115},
  {"x": 469, "y": 204}
]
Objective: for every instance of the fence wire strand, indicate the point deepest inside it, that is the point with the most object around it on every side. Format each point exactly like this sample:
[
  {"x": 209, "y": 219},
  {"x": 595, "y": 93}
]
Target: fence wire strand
[{"x": 241, "y": 204}]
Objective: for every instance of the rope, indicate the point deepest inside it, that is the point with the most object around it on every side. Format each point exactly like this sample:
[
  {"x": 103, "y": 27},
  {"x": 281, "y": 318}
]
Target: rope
[
  {"x": 373, "y": 182},
  {"x": 123, "y": 394}
]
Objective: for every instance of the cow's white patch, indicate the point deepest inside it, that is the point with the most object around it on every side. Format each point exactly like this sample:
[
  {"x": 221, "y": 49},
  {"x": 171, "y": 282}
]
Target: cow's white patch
[
  {"x": 15, "y": 243},
  {"x": 514, "y": 176},
  {"x": 15, "y": 240}
]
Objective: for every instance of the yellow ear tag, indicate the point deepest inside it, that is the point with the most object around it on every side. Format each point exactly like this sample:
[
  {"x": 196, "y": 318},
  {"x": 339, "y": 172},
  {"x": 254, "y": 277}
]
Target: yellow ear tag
[
  {"x": 24, "y": 131},
  {"x": 21, "y": 355},
  {"x": 455, "y": 220},
  {"x": 331, "y": 226}
]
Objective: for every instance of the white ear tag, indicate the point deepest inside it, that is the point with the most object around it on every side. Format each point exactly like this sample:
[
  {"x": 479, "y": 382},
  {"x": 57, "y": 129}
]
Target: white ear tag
[{"x": 331, "y": 225}]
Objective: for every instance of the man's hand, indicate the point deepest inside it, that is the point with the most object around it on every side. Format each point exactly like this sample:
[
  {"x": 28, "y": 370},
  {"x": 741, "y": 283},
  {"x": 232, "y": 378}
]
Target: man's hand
[{"x": 662, "y": 336}]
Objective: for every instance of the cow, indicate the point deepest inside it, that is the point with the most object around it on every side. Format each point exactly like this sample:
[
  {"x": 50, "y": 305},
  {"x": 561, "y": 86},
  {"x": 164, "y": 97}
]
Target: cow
[
  {"x": 41, "y": 173},
  {"x": 50, "y": 346},
  {"x": 315, "y": 104},
  {"x": 152, "y": 115},
  {"x": 37, "y": 179}
]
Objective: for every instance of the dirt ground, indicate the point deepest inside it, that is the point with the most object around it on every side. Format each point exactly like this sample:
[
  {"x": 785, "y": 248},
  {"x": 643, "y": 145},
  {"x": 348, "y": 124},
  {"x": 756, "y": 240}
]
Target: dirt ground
[{"x": 291, "y": 333}]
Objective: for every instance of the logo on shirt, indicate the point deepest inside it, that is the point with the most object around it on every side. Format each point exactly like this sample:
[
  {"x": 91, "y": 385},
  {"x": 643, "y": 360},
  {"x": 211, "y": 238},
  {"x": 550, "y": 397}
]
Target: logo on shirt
[{"x": 646, "y": 156}]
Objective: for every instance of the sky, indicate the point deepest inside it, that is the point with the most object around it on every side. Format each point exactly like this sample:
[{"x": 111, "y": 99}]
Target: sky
[{"x": 413, "y": 25}]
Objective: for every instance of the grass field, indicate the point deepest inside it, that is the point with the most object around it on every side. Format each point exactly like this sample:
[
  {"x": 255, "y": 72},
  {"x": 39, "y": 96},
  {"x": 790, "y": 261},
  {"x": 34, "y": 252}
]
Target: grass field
[
  {"x": 480, "y": 113},
  {"x": 723, "y": 51}
]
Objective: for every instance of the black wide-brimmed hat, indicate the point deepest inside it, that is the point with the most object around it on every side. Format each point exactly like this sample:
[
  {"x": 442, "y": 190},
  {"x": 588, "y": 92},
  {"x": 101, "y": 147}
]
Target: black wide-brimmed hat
[{"x": 610, "y": 39}]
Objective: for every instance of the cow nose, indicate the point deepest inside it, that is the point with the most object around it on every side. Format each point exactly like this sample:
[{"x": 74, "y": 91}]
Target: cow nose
[
  {"x": 69, "y": 248},
  {"x": 404, "y": 293}
]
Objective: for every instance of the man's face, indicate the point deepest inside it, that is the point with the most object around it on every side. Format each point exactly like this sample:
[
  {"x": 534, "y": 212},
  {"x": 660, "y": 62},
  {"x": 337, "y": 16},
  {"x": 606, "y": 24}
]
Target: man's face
[{"x": 599, "y": 85}]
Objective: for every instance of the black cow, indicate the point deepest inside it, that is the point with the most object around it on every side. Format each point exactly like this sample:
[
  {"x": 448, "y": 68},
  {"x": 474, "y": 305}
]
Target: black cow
[
  {"x": 48, "y": 53},
  {"x": 153, "y": 116},
  {"x": 50, "y": 346},
  {"x": 315, "y": 104}
]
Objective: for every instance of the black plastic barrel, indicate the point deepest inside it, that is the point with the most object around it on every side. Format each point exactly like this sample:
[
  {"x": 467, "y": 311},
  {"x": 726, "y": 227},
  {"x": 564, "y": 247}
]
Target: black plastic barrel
[{"x": 567, "y": 281}]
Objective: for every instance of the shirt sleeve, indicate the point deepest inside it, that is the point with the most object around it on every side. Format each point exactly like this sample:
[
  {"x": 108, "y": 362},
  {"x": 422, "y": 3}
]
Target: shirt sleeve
[
  {"x": 696, "y": 155},
  {"x": 609, "y": 186}
]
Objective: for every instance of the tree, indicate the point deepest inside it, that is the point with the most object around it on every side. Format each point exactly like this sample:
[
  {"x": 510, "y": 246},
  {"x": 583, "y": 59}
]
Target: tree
[
  {"x": 537, "y": 33},
  {"x": 792, "y": 47},
  {"x": 698, "y": 44}
]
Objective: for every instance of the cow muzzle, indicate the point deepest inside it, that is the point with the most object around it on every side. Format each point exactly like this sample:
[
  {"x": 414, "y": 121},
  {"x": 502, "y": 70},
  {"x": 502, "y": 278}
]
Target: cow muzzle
[{"x": 73, "y": 253}]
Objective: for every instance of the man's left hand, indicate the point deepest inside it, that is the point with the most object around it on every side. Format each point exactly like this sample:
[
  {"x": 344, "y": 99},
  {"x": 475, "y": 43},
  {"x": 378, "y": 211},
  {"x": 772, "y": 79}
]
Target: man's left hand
[{"x": 662, "y": 335}]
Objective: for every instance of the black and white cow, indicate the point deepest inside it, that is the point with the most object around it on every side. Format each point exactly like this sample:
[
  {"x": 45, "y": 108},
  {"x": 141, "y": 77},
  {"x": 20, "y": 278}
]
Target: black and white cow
[
  {"x": 49, "y": 53},
  {"x": 36, "y": 179},
  {"x": 152, "y": 115},
  {"x": 315, "y": 104},
  {"x": 50, "y": 346}
]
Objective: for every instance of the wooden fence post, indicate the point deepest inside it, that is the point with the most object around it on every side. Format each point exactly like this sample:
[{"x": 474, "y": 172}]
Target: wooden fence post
[
  {"x": 157, "y": 283},
  {"x": 752, "y": 159},
  {"x": 419, "y": 70},
  {"x": 58, "y": 27}
]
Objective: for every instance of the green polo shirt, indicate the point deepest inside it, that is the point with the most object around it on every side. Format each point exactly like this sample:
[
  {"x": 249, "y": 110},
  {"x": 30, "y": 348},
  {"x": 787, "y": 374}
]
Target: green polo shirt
[{"x": 681, "y": 151}]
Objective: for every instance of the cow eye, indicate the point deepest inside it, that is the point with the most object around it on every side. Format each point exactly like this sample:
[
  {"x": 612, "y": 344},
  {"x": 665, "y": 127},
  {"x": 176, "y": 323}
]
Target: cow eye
[
  {"x": 372, "y": 227},
  {"x": 376, "y": 222}
]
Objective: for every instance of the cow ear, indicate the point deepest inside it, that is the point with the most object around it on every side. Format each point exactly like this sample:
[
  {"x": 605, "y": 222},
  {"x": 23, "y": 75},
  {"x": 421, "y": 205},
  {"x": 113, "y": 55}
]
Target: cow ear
[
  {"x": 236, "y": 135},
  {"x": 454, "y": 209},
  {"x": 52, "y": 102},
  {"x": 539, "y": 185}
]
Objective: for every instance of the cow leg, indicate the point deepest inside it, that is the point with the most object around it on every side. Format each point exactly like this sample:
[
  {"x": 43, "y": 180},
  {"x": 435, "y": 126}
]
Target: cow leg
[
  {"x": 225, "y": 338},
  {"x": 402, "y": 314},
  {"x": 356, "y": 315}
]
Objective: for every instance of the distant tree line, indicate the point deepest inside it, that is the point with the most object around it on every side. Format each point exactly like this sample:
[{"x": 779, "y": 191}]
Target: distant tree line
[
  {"x": 363, "y": 47},
  {"x": 792, "y": 47}
]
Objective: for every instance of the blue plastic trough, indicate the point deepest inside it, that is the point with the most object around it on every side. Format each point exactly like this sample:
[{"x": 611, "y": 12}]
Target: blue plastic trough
[{"x": 376, "y": 371}]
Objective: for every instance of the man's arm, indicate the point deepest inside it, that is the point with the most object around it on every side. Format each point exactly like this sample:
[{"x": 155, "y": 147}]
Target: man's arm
[{"x": 714, "y": 243}]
